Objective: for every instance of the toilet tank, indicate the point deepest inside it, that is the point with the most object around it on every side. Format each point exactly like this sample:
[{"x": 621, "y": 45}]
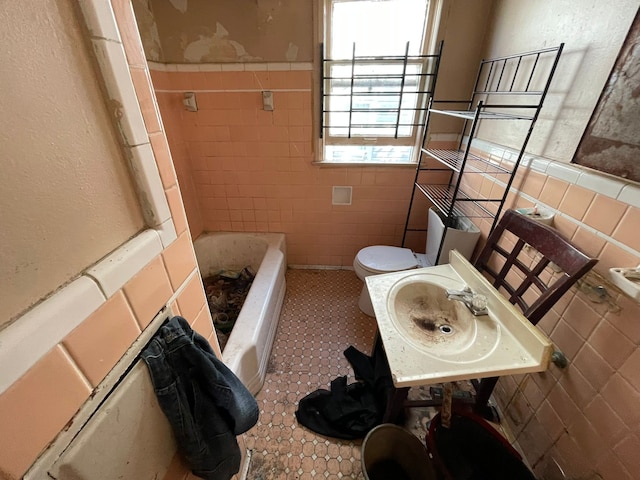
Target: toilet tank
[{"x": 462, "y": 238}]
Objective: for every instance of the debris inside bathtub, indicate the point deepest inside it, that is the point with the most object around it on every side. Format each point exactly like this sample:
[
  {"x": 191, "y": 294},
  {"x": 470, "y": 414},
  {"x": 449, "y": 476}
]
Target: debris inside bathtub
[{"x": 226, "y": 292}]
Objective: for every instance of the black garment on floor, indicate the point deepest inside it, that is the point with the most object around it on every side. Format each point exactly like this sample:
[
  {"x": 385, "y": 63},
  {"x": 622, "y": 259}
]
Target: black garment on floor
[{"x": 350, "y": 411}]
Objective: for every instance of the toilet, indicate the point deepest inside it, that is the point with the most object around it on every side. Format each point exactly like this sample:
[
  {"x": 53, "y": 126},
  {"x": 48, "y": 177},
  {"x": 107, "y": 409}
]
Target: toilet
[{"x": 379, "y": 259}]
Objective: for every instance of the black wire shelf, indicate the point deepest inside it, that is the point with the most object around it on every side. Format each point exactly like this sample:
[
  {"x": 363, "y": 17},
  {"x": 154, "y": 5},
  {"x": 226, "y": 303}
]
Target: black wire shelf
[
  {"x": 484, "y": 115},
  {"x": 460, "y": 205},
  {"x": 454, "y": 159}
]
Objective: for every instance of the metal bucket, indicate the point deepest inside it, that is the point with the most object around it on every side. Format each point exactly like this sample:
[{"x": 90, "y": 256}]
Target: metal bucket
[{"x": 391, "y": 452}]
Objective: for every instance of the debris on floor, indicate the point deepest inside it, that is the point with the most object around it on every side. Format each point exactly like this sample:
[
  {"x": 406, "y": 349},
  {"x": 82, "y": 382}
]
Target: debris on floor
[{"x": 226, "y": 292}]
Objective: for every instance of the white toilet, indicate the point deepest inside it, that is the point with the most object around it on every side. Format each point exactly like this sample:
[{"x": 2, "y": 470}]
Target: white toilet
[
  {"x": 380, "y": 259},
  {"x": 383, "y": 259}
]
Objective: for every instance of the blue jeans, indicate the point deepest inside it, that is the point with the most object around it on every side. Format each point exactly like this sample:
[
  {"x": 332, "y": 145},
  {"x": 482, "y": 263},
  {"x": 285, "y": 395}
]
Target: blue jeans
[{"x": 205, "y": 403}]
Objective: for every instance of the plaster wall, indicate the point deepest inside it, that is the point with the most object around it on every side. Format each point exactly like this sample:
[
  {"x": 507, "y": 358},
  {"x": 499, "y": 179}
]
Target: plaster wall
[
  {"x": 593, "y": 33},
  {"x": 58, "y": 354},
  {"x": 230, "y": 30},
  {"x": 63, "y": 171}
]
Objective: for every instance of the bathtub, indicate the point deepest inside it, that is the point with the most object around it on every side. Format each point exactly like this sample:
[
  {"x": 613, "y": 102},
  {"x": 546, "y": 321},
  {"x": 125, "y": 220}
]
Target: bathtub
[{"x": 249, "y": 345}]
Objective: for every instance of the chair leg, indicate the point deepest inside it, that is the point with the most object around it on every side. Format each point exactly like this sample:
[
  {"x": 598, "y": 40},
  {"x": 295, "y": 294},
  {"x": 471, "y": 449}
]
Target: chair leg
[{"x": 483, "y": 391}]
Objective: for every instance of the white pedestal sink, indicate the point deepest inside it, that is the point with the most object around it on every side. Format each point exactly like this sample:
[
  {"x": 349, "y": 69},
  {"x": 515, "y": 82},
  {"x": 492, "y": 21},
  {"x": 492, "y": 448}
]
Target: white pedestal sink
[{"x": 431, "y": 339}]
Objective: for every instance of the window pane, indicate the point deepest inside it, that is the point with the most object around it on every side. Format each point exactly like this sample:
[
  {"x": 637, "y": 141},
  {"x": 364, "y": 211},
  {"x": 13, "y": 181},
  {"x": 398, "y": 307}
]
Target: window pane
[
  {"x": 377, "y": 27},
  {"x": 378, "y": 94},
  {"x": 368, "y": 153}
]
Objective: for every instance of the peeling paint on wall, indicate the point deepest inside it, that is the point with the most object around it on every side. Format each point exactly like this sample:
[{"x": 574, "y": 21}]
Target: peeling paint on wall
[
  {"x": 292, "y": 52},
  {"x": 148, "y": 30},
  {"x": 226, "y": 30},
  {"x": 180, "y": 5},
  {"x": 216, "y": 48}
]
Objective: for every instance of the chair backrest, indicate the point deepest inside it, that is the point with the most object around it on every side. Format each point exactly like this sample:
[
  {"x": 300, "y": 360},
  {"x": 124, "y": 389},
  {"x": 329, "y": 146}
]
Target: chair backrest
[{"x": 514, "y": 272}]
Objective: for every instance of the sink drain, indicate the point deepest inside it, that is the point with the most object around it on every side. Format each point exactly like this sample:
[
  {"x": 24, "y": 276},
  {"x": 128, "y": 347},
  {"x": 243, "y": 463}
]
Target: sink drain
[{"x": 446, "y": 329}]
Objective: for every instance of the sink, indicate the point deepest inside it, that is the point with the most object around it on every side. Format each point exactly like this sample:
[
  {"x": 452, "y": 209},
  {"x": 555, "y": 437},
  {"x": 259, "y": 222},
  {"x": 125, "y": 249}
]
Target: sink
[
  {"x": 429, "y": 338},
  {"x": 446, "y": 329}
]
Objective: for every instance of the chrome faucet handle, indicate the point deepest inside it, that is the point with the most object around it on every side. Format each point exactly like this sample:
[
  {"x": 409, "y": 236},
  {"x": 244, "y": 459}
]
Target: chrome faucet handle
[
  {"x": 478, "y": 304},
  {"x": 475, "y": 302},
  {"x": 459, "y": 293}
]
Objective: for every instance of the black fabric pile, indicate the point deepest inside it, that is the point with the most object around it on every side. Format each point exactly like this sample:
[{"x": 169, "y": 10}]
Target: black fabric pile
[{"x": 350, "y": 411}]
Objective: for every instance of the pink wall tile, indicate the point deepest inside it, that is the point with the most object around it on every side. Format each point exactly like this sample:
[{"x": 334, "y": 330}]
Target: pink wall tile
[
  {"x": 125, "y": 18},
  {"x": 253, "y": 172},
  {"x": 614, "y": 256},
  {"x": 630, "y": 370},
  {"x": 35, "y": 408},
  {"x": 148, "y": 292},
  {"x": 144, "y": 92},
  {"x": 627, "y": 451},
  {"x": 611, "y": 344},
  {"x": 606, "y": 421},
  {"x": 567, "y": 339},
  {"x": 610, "y": 466},
  {"x": 177, "y": 210},
  {"x": 595, "y": 369},
  {"x": 604, "y": 214},
  {"x": 627, "y": 229},
  {"x": 623, "y": 399},
  {"x": 179, "y": 260},
  {"x": 191, "y": 300},
  {"x": 163, "y": 159},
  {"x": 533, "y": 183},
  {"x": 101, "y": 340},
  {"x": 576, "y": 201},
  {"x": 581, "y": 317},
  {"x": 553, "y": 191},
  {"x": 203, "y": 323}
]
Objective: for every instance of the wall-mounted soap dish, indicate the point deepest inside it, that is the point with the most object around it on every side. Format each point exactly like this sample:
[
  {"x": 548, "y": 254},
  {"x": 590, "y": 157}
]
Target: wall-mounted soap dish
[
  {"x": 627, "y": 280},
  {"x": 541, "y": 215}
]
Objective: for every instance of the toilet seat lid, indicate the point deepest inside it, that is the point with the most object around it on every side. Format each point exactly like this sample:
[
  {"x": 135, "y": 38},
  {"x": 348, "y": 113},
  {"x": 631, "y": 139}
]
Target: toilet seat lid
[{"x": 384, "y": 258}]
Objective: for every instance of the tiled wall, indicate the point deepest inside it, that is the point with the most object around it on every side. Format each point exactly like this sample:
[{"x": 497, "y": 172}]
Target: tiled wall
[
  {"x": 583, "y": 417},
  {"x": 252, "y": 169},
  {"x": 42, "y": 402}
]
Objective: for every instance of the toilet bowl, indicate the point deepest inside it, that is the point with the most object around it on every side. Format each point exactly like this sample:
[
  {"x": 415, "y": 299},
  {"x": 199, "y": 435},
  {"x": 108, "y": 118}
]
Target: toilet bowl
[{"x": 379, "y": 259}]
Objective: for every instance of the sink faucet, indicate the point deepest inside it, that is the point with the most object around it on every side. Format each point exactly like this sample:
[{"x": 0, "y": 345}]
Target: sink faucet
[{"x": 475, "y": 302}]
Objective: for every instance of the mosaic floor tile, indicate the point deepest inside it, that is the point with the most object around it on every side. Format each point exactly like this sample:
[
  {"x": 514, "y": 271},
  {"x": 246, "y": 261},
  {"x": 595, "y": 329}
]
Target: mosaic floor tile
[{"x": 319, "y": 320}]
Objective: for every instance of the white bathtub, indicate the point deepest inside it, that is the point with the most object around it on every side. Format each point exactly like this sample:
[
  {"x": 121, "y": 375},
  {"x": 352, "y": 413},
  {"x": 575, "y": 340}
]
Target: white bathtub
[{"x": 249, "y": 345}]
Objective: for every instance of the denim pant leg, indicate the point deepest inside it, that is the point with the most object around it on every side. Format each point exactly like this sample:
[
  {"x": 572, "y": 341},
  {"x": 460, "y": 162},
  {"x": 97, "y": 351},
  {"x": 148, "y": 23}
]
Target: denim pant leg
[{"x": 203, "y": 400}]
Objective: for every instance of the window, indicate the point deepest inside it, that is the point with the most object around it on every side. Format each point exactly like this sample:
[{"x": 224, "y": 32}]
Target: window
[{"x": 376, "y": 80}]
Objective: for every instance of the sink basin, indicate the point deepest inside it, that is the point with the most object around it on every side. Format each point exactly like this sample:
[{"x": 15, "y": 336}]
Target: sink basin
[
  {"x": 430, "y": 339},
  {"x": 446, "y": 329}
]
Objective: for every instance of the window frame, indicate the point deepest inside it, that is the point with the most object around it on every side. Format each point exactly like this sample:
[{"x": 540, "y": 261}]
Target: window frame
[{"x": 428, "y": 47}]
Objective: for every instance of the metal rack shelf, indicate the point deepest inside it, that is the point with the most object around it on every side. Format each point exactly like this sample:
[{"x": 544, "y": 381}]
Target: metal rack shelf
[
  {"x": 521, "y": 82},
  {"x": 456, "y": 205},
  {"x": 483, "y": 115},
  {"x": 455, "y": 160}
]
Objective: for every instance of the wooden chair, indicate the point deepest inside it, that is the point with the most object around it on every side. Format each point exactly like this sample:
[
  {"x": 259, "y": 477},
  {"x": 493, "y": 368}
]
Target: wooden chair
[{"x": 525, "y": 281}]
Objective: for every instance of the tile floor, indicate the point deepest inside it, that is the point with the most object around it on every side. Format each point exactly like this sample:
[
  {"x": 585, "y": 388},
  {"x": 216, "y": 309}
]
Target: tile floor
[{"x": 320, "y": 319}]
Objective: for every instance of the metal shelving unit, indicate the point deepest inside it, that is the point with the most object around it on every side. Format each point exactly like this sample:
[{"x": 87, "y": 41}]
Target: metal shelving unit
[{"x": 503, "y": 91}]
